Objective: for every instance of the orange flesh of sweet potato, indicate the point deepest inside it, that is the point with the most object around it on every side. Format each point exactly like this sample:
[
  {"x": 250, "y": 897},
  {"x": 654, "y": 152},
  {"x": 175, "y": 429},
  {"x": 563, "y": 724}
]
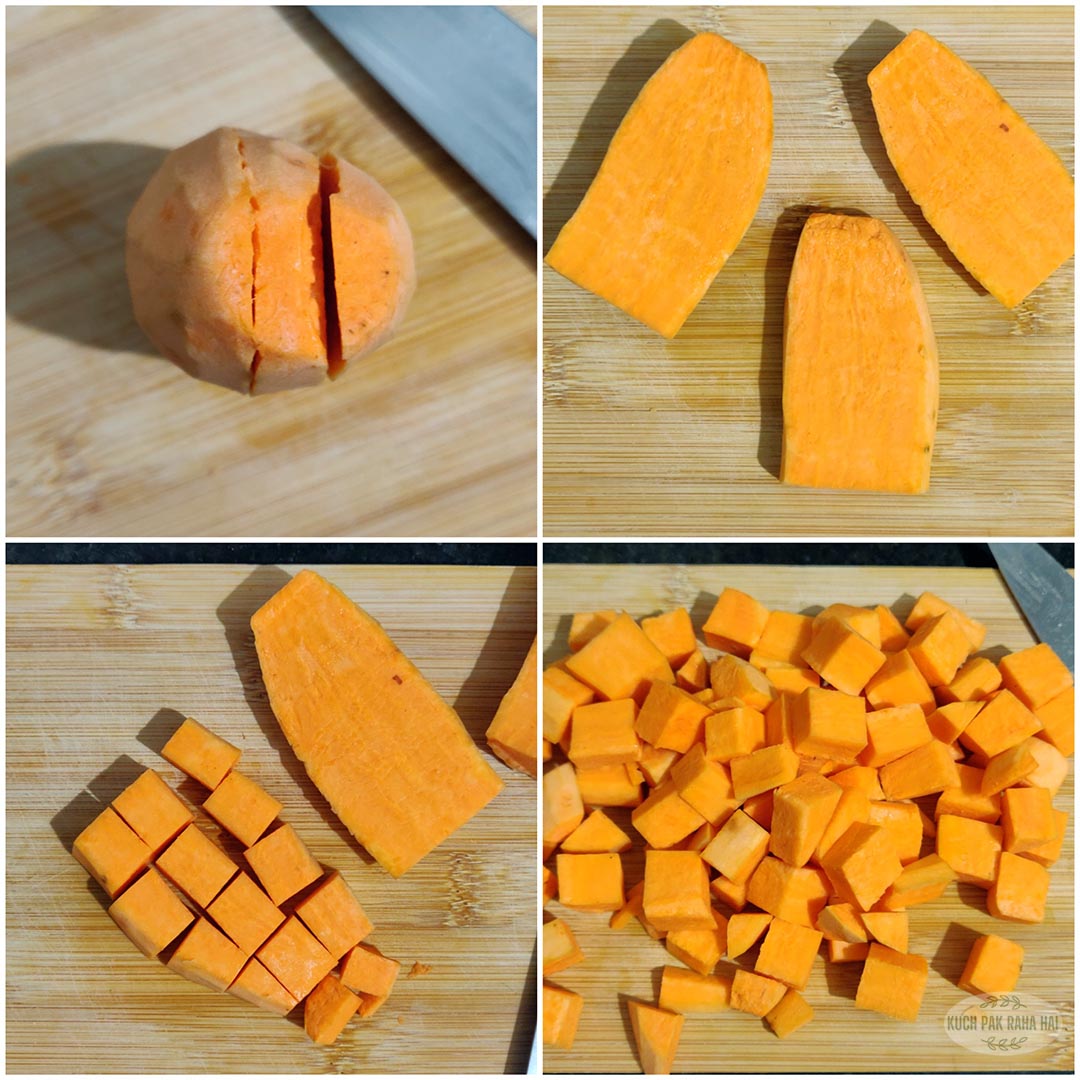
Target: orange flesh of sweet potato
[
  {"x": 678, "y": 187},
  {"x": 327, "y": 1009},
  {"x": 392, "y": 758},
  {"x": 512, "y": 733},
  {"x": 860, "y": 396},
  {"x": 991, "y": 188}
]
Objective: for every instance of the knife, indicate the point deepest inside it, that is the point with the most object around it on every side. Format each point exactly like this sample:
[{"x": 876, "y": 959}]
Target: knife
[
  {"x": 465, "y": 74},
  {"x": 1045, "y": 592}
]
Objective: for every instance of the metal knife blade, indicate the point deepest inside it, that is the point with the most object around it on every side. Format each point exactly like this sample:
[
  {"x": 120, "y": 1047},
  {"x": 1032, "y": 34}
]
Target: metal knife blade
[
  {"x": 1045, "y": 592},
  {"x": 465, "y": 74}
]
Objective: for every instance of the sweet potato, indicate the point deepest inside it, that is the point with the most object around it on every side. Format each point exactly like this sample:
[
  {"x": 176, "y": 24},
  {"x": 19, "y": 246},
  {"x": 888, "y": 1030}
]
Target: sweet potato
[
  {"x": 392, "y": 758},
  {"x": 678, "y": 187},
  {"x": 254, "y": 266},
  {"x": 991, "y": 188},
  {"x": 512, "y": 734},
  {"x": 860, "y": 395}
]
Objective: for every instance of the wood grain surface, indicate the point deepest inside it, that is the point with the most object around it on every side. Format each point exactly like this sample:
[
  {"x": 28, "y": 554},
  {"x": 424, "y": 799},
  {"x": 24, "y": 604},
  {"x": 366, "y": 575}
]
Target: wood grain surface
[
  {"x": 435, "y": 434},
  {"x": 627, "y": 963},
  {"x": 652, "y": 438},
  {"x": 101, "y": 663}
]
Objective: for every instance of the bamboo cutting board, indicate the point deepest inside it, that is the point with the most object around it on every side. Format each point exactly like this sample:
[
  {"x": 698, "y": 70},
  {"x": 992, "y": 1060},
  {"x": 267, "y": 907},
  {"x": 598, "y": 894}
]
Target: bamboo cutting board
[
  {"x": 653, "y": 438},
  {"x": 626, "y": 964},
  {"x": 101, "y": 663},
  {"x": 435, "y": 434}
]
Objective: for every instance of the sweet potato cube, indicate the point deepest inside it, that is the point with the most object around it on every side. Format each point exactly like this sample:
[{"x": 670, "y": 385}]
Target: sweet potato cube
[
  {"x": 1019, "y": 889},
  {"x": 282, "y": 863},
  {"x": 562, "y": 804},
  {"x": 241, "y": 807},
  {"x": 828, "y": 724},
  {"x": 734, "y": 732},
  {"x": 787, "y": 954},
  {"x": 892, "y": 983},
  {"x": 842, "y": 922},
  {"x": 257, "y": 986},
  {"x": 620, "y": 662},
  {"x": 512, "y": 731},
  {"x": 899, "y": 682},
  {"x": 1047, "y": 854},
  {"x": 755, "y": 994},
  {"x": 893, "y": 732},
  {"x": 200, "y": 753},
  {"x": 596, "y": 835},
  {"x": 848, "y": 952},
  {"x": 927, "y": 769},
  {"x": 334, "y": 915},
  {"x": 728, "y": 892},
  {"x": 972, "y": 848},
  {"x": 737, "y": 848},
  {"x": 610, "y": 785},
  {"x": 670, "y": 719},
  {"x": 562, "y": 694},
  {"x": 862, "y": 620},
  {"x": 993, "y": 966},
  {"x": 903, "y": 822},
  {"x": 950, "y": 721},
  {"x": 153, "y": 810},
  {"x": 111, "y": 852},
  {"x": 585, "y": 625},
  {"x": 1051, "y": 765},
  {"x": 562, "y": 1011},
  {"x": 841, "y": 656},
  {"x": 938, "y": 648},
  {"x": 893, "y": 635},
  {"x": 762, "y": 770},
  {"x": 700, "y": 950},
  {"x": 1002, "y": 722},
  {"x": 245, "y": 913},
  {"x": 550, "y": 886},
  {"x": 1008, "y": 768},
  {"x": 693, "y": 675},
  {"x": 864, "y": 778},
  {"x": 736, "y": 623},
  {"x": 296, "y": 959},
  {"x": 743, "y": 930},
  {"x": 862, "y": 864},
  {"x": 677, "y": 891},
  {"x": 683, "y": 991},
  {"x": 802, "y": 809},
  {"x": 705, "y": 785},
  {"x": 673, "y": 634},
  {"x": 1036, "y": 675},
  {"x": 1057, "y": 717},
  {"x": 208, "y": 957},
  {"x": 327, "y": 1009},
  {"x": 928, "y": 605},
  {"x": 150, "y": 913},
  {"x": 364, "y": 966},
  {"x": 655, "y": 764},
  {"x": 888, "y": 927},
  {"x": 792, "y": 1012},
  {"x": 196, "y": 865},
  {"x": 590, "y": 882},
  {"x": 656, "y": 1033},
  {"x": 665, "y": 818},
  {"x": 976, "y": 680},
  {"x": 603, "y": 734},
  {"x": 561, "y": 948},
  {"x": 732, "y": 677},
  {"x": 794, "y": 893},
  {"x": 853, "y": 805},
  {"x": 785, "y": 636},
  {"x": 967, "y": 798},
  {"x": 792, "y": 680},
  {"x": 923, "y": 880}
]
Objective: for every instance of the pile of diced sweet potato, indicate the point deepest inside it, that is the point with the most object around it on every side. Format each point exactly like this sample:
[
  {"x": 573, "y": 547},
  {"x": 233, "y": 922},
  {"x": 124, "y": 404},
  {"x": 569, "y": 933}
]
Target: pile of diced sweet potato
[
  {"x": 164, "y": 874},
  {"x": 795, "y": 779}
]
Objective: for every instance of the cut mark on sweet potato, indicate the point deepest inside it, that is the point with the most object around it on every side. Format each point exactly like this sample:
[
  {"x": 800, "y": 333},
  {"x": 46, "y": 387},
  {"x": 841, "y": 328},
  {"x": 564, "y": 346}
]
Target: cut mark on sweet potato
[
  {"x": 254, "y": 203},
  {"x": 329, "y": 184}
]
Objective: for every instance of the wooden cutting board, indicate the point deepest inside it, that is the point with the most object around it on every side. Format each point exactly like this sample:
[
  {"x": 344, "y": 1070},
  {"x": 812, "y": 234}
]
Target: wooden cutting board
[
  {"x": 627, "y": 963},
  {"x": 434, "y": 434},
  {"x": 101, "y": 663},
  {"x": 648, "y": 437}
]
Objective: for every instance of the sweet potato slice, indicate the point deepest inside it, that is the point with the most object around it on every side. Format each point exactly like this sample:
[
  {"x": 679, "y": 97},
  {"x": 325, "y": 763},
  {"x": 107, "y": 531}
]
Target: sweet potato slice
[
  {"x": 678, "y": 187},
  {"x": 391, "y": 757},
  {"x": 860, "y": 362},
  {"x": 991, "y": 188}
]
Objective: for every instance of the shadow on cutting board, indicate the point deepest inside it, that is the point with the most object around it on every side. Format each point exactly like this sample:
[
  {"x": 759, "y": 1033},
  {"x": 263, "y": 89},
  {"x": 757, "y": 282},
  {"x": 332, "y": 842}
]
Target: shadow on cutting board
[
  {"x": 623, "y": 84},
  {"x": 66, "y": 212},
  {"x": 952, "y": 953},
  {"x": 235, "y": 613},
  {"x": 324, "y": 130},
  {"x": 852, "y": 68},
  {"x": 778, "y": 263}
]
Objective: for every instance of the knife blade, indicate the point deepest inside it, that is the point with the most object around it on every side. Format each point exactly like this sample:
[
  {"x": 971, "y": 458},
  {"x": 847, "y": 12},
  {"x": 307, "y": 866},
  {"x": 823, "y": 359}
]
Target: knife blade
[
  {"x": 1045, "y": 593},
  {"x": 465, "y": 74}
]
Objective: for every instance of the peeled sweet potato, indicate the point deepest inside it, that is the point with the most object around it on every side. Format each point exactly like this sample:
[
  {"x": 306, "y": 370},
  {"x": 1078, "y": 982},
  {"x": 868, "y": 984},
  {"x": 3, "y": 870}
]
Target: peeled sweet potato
[{"x": 254, "y": 265}]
